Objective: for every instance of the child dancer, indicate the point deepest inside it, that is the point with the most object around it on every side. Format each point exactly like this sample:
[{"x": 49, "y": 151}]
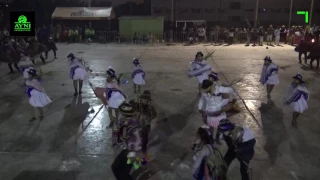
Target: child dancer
[
  {"x": 25, "y": 64},
  {"x": 37, "y": 95},
  {"x": 269, "y": 74},
  {"x": 128, "y": 137},
  {"x": 78, "y": 73},
  {"x": 137, "y": 76},
  {"x": 200, "y": 69},
  {"x": 297, "y": 97},
  {"x": 111, "y": 95}
]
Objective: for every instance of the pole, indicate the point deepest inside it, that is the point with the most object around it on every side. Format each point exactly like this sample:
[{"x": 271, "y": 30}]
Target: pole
[
  {"x": 311, "y": 11},
  {"x": 290, "y": 15},
  {"x": 131, "y": 8},
  {"x": 89, "y": 5},
  {"x": 171, "y": 30},
  {"x": 256, "y": 15}
]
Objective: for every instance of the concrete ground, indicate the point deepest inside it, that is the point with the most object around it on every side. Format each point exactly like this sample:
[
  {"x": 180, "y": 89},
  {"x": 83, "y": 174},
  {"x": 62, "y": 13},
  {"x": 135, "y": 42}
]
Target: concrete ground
[{"x": 72, "y": 145}]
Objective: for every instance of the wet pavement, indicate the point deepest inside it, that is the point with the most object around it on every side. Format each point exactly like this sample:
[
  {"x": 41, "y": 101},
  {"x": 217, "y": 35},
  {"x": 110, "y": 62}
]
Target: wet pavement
[{"x": 74, "y": 144}]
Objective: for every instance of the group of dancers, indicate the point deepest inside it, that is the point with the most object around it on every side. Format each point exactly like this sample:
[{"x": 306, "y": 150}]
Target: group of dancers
[
  {"x": 130, "y": 120},
  {"x": 215, "y": 101}
]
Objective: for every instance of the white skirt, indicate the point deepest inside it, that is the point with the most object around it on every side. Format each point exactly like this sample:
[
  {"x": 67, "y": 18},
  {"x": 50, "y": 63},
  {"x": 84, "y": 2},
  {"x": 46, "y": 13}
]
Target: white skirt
[
  {"x": 214, "y": 121},
  {"x": 80, "y": 74},
  {"x": 39, "y": 99},
  {"x": 25, "y": 72},
  {"x": 116, "y": 100},
  {"x": 138, "y": 79},
  {"x": 202, "y": 77},
  {"x": 273, "y": 80},
  {"x": 299, "y": 106}
]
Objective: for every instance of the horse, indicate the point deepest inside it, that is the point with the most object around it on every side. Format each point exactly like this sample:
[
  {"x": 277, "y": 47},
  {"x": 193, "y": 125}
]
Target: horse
[{"x": 36, "y": 49}]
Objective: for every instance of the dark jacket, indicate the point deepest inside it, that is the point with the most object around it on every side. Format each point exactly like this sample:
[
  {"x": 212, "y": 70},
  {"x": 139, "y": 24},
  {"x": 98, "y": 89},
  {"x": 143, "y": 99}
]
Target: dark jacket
[
  {"x": 315, "y": 51},
  {"x": 51, "y": 45},
  {"x": 245, "y": 149}
]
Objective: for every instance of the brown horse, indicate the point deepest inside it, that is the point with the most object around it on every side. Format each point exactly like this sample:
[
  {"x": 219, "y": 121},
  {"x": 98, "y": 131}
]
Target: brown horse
[
  {"x": 36, "y": 49},
  {"x": 9, "y": 55}
]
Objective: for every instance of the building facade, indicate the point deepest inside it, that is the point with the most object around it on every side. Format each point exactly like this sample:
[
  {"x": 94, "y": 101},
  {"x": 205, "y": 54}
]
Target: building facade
[{"x": 230, "y": 12}]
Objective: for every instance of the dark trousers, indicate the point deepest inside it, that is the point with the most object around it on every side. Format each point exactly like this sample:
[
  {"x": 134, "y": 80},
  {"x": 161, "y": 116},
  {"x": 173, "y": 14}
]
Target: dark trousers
[
  {"x": 54, "y": 53},
  {"x": 230, "y": 40},
  {"x": 231, "y": 155},
  {"x": 120, "y": 168},
  {"x": 313, "y": 59},
  {"x": 15, "y": 65},
  {"x": 145, "y": 136},
  {"x": 305, "y": 56}
]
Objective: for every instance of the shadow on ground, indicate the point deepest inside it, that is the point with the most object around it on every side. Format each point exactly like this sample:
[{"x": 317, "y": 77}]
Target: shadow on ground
[
  {"x": 75, "y": 114},
  {"x": 273, "y": 128},
  {"x": 47, "y": 175}
]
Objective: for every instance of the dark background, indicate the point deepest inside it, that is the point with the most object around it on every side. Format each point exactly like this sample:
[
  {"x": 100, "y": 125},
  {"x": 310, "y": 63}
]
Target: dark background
[{"x": 45, "y": 8}]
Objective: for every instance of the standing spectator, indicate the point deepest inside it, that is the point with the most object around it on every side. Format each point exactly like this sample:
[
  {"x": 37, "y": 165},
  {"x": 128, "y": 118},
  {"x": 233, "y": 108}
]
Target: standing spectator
[
  {"x": 283, "y": 33},
  {"x": 65, "y": 35},
  {"x": 80, "y": 33},
  {"x": 51, "y": 46},
  {"x": 87, "y": 33},
  {"x": 76, "y": 35},
  {"x": 150, "y": 37},
  {"x": 135, "y": 38},
  {"x": 270, "y": 33},
  {"x": 92, "y": 33},
  {"x": 261, "y": 34},
  {"x": 58, "y": 32},
  {"x": 201, "y": 33},
  {"x": 70, "y": 35},
  {"x": 248, "y": 31},
  {"x": 45, "y": 34},
  {"x": 216, "y": 34},
  {"x": 277, "y": 36},
  {"x": 231, "y": 35}
]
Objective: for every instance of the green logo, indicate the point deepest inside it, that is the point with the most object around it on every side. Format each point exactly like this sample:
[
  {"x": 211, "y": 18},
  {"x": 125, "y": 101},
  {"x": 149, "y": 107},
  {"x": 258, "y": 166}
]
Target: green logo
[
  {"x": 22, "y": 24},
  {"x": 306, "y": 15}
]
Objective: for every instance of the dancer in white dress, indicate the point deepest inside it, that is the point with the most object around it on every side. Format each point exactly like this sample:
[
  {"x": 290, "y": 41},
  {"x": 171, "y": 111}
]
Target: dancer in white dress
[
  {"x": 111, "y": 95},
  {"x": 78, "y": 72},
  {"x": 25, "y": 64},
  {"x": 114, "y": 96},
  {"x": 269, "y": 75},
  {"x": 212, "y": 105},
  {"x": 226, "y": 90},
  {"x": 297, "y": 97},
  {"x": 200, "y": 69},
  {"x": 37, "y": 95},
  {"x": 137, "y": 76}
]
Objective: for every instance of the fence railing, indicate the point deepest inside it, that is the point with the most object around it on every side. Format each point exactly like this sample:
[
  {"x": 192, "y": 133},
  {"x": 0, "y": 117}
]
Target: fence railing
[{"x": 178, "y": 37}]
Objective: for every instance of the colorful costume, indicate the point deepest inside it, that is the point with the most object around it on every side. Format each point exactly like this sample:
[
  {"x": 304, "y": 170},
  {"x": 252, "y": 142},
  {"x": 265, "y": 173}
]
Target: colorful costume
[
  {"x": 77, "y": 70},
  {"x": 240, "y": 142},
  {"x": 128, "y": 137},
  {"x": 36, "y": 93},
  {"x": 25, "y": 64},
  {"x": 146, "y": 113},
  {"x": 138, "y": 74},
  {"x": 297, "y": 97},
  {"x": 212, "y": 104},
  {"x": 208, "y": 161},
  {"x": 269, "y": 73},
  {"x": 199, "y": 68}
]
